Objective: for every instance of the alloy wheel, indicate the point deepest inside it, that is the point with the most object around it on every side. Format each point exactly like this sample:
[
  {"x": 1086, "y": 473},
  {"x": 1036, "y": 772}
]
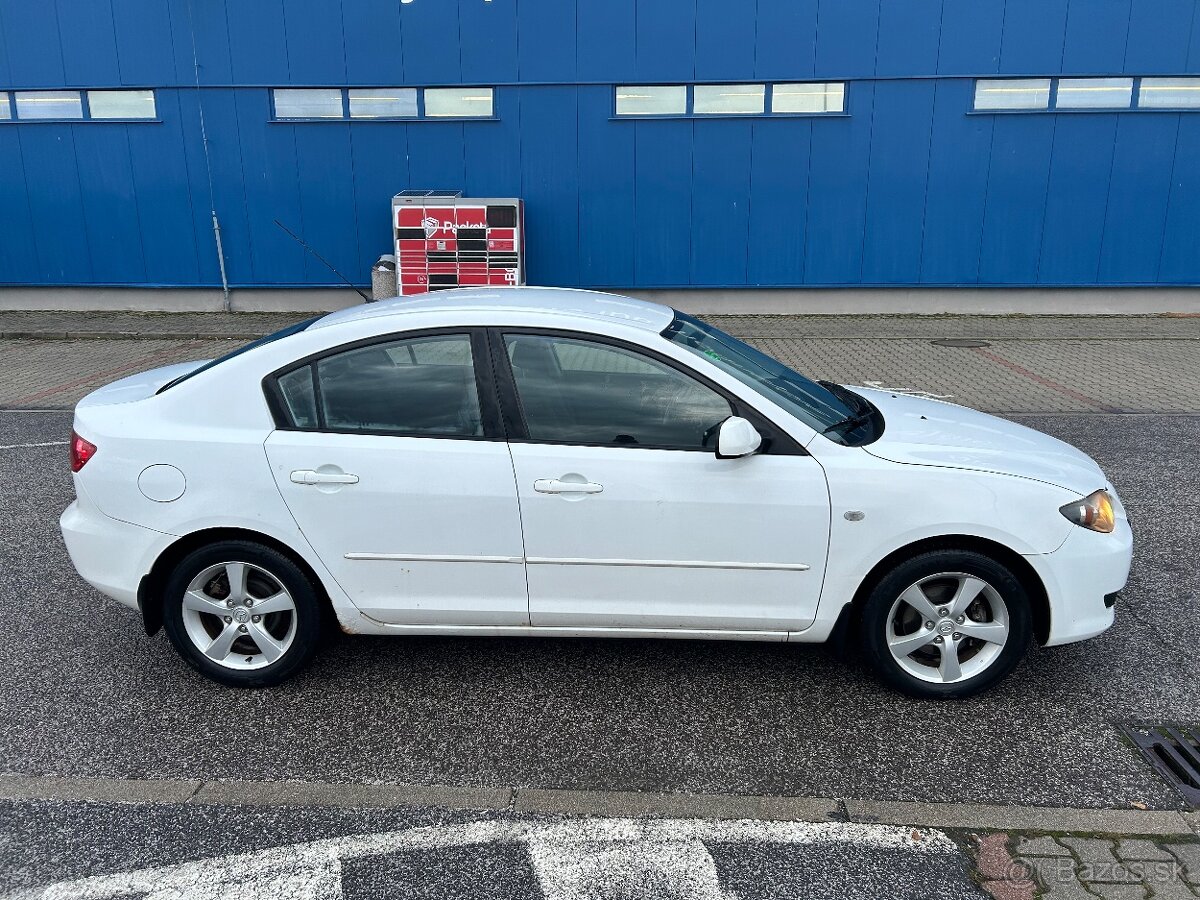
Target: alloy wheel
[
  {"x": 239, "y": 615},
  {"x": 947, "y": 628}
]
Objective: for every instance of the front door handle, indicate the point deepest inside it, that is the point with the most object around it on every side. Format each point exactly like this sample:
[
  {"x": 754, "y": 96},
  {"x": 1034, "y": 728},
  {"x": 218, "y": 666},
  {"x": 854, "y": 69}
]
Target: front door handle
[
  {"x": 554, "y": 486},
  {"x": 311, "y": 476}
]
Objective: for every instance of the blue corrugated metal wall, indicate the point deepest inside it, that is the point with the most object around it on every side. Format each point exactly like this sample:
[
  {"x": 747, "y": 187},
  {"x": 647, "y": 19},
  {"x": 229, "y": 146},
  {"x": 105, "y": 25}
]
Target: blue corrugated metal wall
[{"x": 907, "y": 190}]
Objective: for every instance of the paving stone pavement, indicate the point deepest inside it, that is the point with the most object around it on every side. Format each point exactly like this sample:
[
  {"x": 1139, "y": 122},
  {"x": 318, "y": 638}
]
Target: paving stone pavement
[
  {"x": 33, "y": 323},
  {"x": 54, "y": 374},
  {"x": 1067, "y": 364},
  {"x": 1062, "y": 867}
]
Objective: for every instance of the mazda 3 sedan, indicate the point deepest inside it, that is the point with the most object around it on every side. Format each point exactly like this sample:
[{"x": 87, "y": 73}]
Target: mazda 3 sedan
[{"x": 538, "y": 461}]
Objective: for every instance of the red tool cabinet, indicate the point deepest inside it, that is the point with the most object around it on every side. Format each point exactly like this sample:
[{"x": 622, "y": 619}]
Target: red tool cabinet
[{"x": 445, "y": 240}]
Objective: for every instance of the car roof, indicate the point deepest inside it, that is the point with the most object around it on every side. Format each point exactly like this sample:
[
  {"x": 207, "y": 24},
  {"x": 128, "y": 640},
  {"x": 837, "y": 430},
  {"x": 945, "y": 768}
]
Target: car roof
[{"x": 550, "y": 302}]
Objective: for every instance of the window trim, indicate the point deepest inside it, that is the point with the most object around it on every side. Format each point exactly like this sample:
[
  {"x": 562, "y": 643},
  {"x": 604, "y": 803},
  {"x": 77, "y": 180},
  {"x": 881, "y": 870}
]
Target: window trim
[
  {"x": 489, "y": 409},
  {"x": 424, "y": 110},
  {"x": 1138, "y": 89},
  {"x": 8, "y": 99},
  {"x": 687, "y": 101},
  {"x": 1131, "y": 103},
  {"x": 1052, "y": 108},
  {"x": 344, "y": 105},
  {"x": 1051, "y": 85},
  {"x": 87, "y": 100},
  {"x": 768, "y": 112},
  {"x": 767, "y": 96},
  {"x": 771, "y": 85},
  {"x": 80, "y": 97},
  {"x": 776, "y": 441},
  {"x": 345, "y": 117},
  {"x": 348, "y": 112}
]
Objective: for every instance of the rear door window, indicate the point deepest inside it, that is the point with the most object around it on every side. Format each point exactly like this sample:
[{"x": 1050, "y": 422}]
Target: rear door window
[{"x": 422, "y": 386}]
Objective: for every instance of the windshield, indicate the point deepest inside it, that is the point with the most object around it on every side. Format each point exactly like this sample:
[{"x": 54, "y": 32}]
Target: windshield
[
  {"x": 813, "y": 404},
  {"x": 270, "y": 338}
]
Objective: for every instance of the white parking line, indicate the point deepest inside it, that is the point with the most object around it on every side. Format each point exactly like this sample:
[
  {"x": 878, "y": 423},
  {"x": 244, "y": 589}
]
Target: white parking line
[
  {"x": 571, "y": 860},
  {"x": 42, "y": 444}
]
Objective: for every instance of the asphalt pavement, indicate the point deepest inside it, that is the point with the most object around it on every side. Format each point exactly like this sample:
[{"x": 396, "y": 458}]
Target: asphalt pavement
[
  {"x": 87, "y": 693},
  {"x": 160, "y": 852}
]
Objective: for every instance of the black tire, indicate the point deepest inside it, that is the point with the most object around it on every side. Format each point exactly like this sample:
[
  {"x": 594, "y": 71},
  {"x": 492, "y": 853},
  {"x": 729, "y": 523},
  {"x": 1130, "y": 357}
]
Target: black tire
[
  {"x": 301, "y": 633},
  {"x": 874, "y": 623}
]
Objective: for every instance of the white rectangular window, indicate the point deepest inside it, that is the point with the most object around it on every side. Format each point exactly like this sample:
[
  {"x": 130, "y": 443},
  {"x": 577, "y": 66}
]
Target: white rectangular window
[
  {"x": 652, "y": 100},
  {"x": 1170, "y": 93},
  {"x": 383, "y": 103},
  {"x": 815, "y": 97},
  {"x": 308, "y": 103},
  {"x": 1012, "y": 93},
  {"x": 49, "y": 105},
  {"x": 1094, "y": 93},
  {"x": 121, "y": 104},
  {"x": 728, "y": 99},
  {"x": 459, "y": 102},
  {"x": 5, "y": 108}
]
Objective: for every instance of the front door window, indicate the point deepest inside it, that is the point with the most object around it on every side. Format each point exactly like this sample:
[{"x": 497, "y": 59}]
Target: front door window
[{"x": 582, "y": 392}]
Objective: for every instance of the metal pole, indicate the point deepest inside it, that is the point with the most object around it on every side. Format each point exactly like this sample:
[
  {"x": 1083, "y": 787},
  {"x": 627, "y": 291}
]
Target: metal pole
[{"x": 221, "y": 259}]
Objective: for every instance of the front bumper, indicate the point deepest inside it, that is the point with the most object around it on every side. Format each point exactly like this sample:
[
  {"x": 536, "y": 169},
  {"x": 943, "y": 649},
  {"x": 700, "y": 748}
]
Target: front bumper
[
  {"x": 1081, "y": 578},
  {"x": 110, "y": 555}
]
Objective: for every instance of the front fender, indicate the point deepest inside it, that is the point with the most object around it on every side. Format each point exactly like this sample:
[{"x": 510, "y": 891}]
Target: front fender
[{"x": 902, "y": 505}]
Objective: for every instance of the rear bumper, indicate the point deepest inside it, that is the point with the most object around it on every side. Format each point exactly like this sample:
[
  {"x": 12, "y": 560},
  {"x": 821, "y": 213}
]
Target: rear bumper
[
  {"x": 1081, "y": 578},
  {"x": 110, "y": 555}
]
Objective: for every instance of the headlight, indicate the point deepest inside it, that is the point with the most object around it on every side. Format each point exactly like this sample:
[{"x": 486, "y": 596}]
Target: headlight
[{"x": 1095, "y": 511}]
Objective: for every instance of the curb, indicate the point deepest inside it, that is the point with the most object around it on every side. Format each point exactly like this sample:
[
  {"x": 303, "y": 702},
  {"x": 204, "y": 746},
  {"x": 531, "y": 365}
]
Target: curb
[
  {"x": 620, "y": 804},
  {"x": 1020, "y": 818}
]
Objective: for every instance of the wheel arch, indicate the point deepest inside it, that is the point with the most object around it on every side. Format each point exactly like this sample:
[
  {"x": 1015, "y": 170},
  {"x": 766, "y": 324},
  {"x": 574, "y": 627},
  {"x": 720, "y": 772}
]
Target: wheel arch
[
  {"x": 149, "y": 595},
  {"x": 1002, "y": 554}
]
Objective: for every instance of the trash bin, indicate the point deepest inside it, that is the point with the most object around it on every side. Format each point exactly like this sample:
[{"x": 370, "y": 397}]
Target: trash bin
[{"x": 383, "y": 277}]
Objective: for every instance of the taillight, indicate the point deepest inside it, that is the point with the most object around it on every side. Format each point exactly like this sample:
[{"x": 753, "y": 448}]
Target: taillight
[{"x": 81, "y": 452}]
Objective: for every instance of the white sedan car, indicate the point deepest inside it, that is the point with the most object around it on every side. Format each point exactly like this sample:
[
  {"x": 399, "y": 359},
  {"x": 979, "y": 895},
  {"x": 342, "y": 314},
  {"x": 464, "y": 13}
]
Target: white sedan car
[{"x": 538, "y": 461}]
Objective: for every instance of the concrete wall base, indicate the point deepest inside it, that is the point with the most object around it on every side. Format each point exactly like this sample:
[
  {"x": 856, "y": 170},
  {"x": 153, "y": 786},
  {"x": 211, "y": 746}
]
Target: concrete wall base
[
  {"x": 777, "y": 301},
  {"x": 108, "y": 299}
]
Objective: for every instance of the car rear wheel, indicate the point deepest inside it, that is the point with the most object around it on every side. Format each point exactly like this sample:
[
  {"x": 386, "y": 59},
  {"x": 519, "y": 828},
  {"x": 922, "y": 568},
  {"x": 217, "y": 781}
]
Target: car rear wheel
[
  {"x": 946, "y": 624},
  {"x": 242, "y": 614}
]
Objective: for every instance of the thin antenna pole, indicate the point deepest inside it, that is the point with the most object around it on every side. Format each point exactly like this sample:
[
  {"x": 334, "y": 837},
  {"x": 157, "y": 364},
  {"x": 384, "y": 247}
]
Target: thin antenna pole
[{"x": 326, "y": 262}]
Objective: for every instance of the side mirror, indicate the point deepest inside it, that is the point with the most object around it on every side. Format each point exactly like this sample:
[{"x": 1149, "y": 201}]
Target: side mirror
[{"x": 737, "y": 438}]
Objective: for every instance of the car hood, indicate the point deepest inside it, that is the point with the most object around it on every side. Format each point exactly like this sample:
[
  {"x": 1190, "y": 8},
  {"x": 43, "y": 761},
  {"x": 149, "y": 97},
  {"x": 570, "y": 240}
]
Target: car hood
[
  {"x": 923, "y": 432},
  {"x": 137, "y": 387}
]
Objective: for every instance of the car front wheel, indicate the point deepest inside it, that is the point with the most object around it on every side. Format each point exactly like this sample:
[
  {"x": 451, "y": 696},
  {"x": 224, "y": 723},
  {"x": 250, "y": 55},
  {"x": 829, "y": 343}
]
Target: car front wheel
[
  {"x": 946, "y": 624},
  {"x": 242, "y": 614}
]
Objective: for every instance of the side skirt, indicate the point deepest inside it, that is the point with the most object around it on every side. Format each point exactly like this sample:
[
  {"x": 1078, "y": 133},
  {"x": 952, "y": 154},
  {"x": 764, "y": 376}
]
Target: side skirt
[{"x": 565, "y": 631}]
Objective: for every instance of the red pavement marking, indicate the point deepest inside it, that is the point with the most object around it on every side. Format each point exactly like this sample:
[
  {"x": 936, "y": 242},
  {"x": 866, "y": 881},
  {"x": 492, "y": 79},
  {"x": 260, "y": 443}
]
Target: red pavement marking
[
  {"x": 96, "y": 376},
  {"x": 1004, "y": 877},
  {"x": 1010, "y": 890},
  {"x": 1044, "y": 382}
]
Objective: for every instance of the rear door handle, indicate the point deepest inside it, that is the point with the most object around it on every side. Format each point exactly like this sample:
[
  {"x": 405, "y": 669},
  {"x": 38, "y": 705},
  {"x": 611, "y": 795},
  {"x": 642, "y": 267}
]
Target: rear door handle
[
  {"x": 554, "y": 486},
  {"x": 310, "y": 476}
]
